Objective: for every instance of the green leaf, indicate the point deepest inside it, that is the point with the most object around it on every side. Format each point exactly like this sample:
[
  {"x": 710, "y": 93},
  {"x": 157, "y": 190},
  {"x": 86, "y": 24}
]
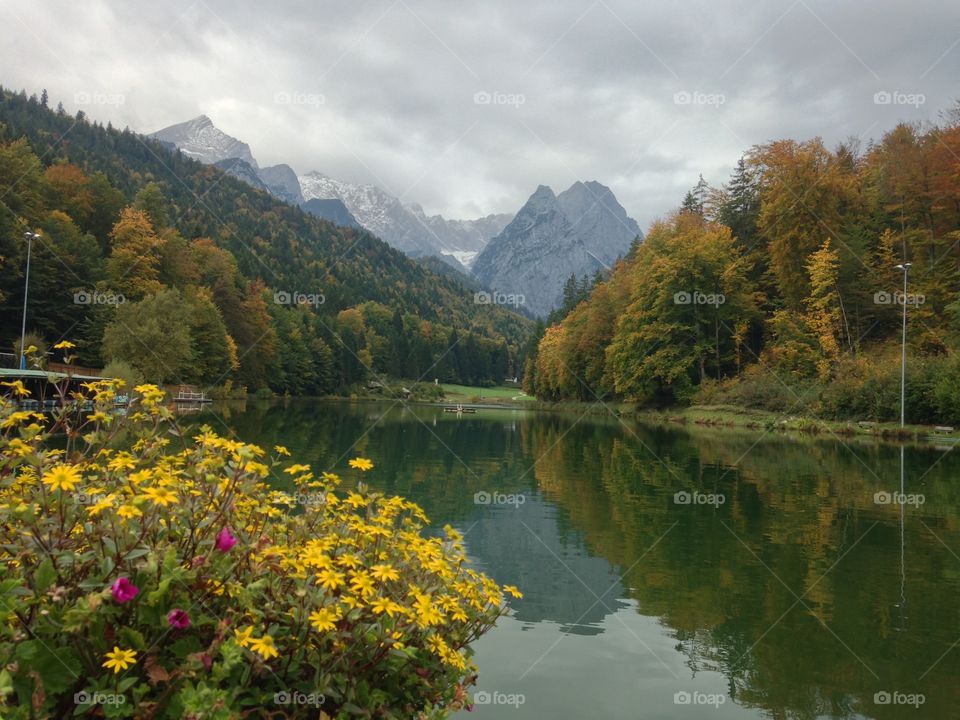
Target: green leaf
[
  {"x": 45, "y": 575},
  {"x": 133, "y": 638}
]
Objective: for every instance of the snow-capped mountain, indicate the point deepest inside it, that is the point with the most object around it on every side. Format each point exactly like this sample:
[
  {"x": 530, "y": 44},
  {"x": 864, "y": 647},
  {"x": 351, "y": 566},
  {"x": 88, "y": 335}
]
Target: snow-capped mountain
[
  {"x": 533, "y": 253},
  {"x": 406, "y": 227},
  {"x": 201, "y": 140},
  {"x": 578, "y": 232}
]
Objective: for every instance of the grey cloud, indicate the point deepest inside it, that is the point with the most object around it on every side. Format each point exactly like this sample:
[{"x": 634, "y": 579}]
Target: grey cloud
[{"x": 397, "y": 80}]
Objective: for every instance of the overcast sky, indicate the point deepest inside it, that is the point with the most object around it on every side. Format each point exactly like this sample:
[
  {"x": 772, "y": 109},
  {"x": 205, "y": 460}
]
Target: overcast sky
[{"x": 641, "y": 96}]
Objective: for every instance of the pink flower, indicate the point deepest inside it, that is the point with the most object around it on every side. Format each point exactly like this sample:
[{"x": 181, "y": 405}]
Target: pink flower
[
  {"x": 225, "y": 540},
  {"x": 123, "y": 590},
  {"x": 178, "y": 618}
]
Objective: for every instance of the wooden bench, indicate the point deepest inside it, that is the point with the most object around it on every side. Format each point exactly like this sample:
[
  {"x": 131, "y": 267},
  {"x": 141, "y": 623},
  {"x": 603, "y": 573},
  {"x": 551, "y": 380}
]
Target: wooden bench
[
  {"x": 943, "y": 430},
  {"x": 866, "y": 424}
]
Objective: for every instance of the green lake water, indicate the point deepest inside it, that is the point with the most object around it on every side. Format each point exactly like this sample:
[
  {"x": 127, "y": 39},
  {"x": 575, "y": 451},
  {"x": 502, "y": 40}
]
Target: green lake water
[{"x": 674, "y": 573}]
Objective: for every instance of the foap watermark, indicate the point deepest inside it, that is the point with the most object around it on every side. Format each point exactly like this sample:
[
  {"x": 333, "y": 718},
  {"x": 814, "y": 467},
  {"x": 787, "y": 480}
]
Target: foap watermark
[
  {"x": 498, "y": 298},
  {"x": 307, "y": 500},
  {"x": 685, "y": 697},
  {"x": 698, "y": 498},
  {"x": 482, "y": 97},
  {"x": 696, "y": 97},
  {"x": 484, "y": 697},
  {"x": 299, "y": 98},
  {"x": 498, "y": 498},
  {"x": 95, "y": 697},
  {"x": 896, "y": 97},
  {"x": 898, "y": 498},
  {"x": 85, "y": 498},
  {"x": 895, "y": 697},
  {"x": 284, "y": 297},
  {"x": 898, "y": 297},
  {"x": 96, "y": 297},
  {"x": 98, "y": 98},
  {"x": 296, "y": 697},
  {"x": 698, "y": 298}
]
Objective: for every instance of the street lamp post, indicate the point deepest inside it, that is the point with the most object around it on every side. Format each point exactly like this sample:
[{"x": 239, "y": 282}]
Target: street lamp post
[
  {"x": 29, "y": 237},
  {"x": 905, "y": 267}
]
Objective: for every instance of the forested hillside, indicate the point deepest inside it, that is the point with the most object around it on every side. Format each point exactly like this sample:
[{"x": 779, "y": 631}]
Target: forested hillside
[
  {"x": 781, "y": 289},
  {"x": 188, "y": 274}
]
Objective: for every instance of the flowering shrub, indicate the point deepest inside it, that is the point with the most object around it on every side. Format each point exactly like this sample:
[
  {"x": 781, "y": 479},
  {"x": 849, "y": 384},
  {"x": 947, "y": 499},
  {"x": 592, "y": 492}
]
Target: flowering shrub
[{"x": 146, "y": 574}]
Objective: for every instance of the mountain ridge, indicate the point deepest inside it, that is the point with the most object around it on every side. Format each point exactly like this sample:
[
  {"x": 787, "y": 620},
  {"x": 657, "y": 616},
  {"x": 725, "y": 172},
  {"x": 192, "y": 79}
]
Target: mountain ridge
[{"x": 579, "y": 231}]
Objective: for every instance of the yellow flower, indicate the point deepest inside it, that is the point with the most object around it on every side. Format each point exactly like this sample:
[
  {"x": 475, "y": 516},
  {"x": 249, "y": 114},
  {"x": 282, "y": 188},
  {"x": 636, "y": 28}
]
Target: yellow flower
[
  {"x": 61, "y": 477},
  {"x": 356, "y": 500},
  {"x": 101, "y": 505},
  {"x": 128, "y": 512},
  {"x": 382, "y": 605},
  {"x": 427, "y": 613},
  {"x": 330, "y": 579},
  {"x": 384, "y": 573},
  {"x": 161, "y": 496},
  {"x": 297, "y": 469},
  {"x": 281, "y": 450},
  {"x": 264, "y": 647},
  {"x": 244, "y": 637},
  {"x": 17, "y": 387},
  {"x": 361, "y": 464},
  {"x": 349, "y": 560},
  {"x": 64, "y": 345},
  {"x": 362, "y": 584},
  {"x": 351, "y": 602},
  {"x": 513, "y": 590},
  {"x": 120, "y": 659},
  {"x": 123, "y": 461},
  {"x": 324, "y": 619}
]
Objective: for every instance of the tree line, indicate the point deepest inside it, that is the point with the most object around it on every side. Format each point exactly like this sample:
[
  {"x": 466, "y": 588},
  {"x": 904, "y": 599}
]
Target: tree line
[
  {"x": 780, "y": 288},
  {"x": 183, "y": 274}
]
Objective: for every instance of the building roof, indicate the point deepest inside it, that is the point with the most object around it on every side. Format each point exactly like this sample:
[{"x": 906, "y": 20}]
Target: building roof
[{"x": 13, "y": 373}]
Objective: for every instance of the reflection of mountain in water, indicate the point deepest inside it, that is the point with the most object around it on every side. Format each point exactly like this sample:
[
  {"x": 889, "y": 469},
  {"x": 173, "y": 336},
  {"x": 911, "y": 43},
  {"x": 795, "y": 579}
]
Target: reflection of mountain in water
[{"x": 561, "y": 581}]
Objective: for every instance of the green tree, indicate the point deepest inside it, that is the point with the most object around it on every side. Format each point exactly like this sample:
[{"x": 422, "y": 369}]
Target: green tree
[{"x": 153, "y": 336}]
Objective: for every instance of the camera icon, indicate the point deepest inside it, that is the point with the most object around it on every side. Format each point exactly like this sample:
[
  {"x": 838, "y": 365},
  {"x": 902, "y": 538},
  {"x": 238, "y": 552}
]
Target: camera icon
[
  {"x": 281, "y": 698},
  {"x": 882, "y": 498},
  {"x": 281, "y": 297},
  {"x": 682, "y": 498},
  {"x": 482, "y": 298},
  {"x": 682, "y": 697},
  {"x": 82, "y": 698},
  {"x": 82, "y": 298},
  {"x": 482, "y": 498},
  {"x": 682, "y": 98},
  {"x": 682, "y": 298},
  {"x": 884, "y": 97},
  {"x": 481, "y": 698},
  {"x": 282, "y": 98},
  {"x": 82, "y": 98},
  {"x": 882, "y": 298},
  {"x": 882, "y": 698},
  {"x": 482, "y": 97}
]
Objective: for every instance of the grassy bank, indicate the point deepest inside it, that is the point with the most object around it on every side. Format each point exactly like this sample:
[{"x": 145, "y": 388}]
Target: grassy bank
[
  {"x": 501, "y": 394},
  {"x": 730, "y": 416}
]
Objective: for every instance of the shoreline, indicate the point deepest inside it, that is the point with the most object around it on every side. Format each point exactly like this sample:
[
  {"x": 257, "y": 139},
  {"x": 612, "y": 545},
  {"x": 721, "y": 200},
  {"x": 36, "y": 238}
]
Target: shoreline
[{"x": 715, "y": 417}]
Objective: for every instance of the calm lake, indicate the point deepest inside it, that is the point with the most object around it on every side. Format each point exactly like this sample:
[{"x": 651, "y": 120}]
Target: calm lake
[{"x": 673, "y": 572}]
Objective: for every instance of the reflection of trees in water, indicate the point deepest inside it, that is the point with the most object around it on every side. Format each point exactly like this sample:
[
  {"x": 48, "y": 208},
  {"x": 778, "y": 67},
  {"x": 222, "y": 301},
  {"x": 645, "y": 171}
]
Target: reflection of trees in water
[
  {"x": 795, "y": 507},
  {"x": 599, "y": 499}
]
